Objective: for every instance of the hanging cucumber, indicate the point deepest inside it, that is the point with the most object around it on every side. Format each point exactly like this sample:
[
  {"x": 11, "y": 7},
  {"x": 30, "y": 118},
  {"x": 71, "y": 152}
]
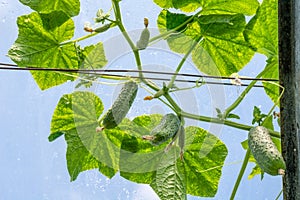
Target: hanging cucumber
[
  {"x": 121, "y": 106},
  {"x": 166, "y": 129},
  {"x": 142, "y": 43},
  {"x": 265, "y": 152}
]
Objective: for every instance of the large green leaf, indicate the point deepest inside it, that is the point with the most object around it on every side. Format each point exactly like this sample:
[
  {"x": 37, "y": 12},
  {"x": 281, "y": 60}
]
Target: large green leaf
[
  {"x": 262, "y": 30},
  {"x": 76, "y": 117},
  {"x": 222, "y": 50},
  {"x": 38, "y": 45},
  {"x": 70, "y": 7},
  {"x": 222, "y": 26},
  {"x": 212, "y": 6},
  {"x": 203, "y": 161},
  {"x": 79, "y": 159},
  {"x": 198, "y": 174}
]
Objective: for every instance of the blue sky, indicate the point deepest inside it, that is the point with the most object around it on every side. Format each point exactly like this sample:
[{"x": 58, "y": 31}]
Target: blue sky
[{"x": 32, "y": 168}]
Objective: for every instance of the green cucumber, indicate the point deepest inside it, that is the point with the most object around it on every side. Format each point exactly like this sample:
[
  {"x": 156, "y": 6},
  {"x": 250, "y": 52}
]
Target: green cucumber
[
  {"x": 166, "y": 129},
  {"x": 144, "y": 39},
  {"x": 265, "y": 151},
  {"x": 103, "y": 28},
  {"x": 121, "y": 106}
]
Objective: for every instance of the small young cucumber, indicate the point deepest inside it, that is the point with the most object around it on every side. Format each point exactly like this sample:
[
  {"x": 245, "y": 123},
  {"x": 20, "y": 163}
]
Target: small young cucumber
[
  {"x": 144, "y": 39},
  {"x": 121, "y": 106},
  {"x": 103, "y": 28},
  {"x": 265, "y": 152},
  {"x": 166, "y": 129}
]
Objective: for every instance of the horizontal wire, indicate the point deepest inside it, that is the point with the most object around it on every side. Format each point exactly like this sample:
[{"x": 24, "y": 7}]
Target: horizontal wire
[
  {"x": 128, "y": 70},
  {"x": 177, "y": 80},
  {"x": 105, "y": 73}
]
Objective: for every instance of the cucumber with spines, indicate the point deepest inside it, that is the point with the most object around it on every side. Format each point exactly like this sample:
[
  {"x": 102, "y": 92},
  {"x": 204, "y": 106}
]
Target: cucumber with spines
[
  {"x": 265, "y": 151},
  {"x": 166, "y": 129},
  {"x": 121, "y": 106}
]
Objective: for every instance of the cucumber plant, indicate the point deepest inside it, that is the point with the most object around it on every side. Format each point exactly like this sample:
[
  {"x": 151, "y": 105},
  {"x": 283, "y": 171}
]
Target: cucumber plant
[{"x": 219, "y": 40}]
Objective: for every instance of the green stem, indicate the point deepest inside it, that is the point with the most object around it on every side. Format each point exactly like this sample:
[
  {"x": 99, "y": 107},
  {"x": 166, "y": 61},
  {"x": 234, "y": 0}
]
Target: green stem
[
  {"x": 117, "y": 10},
  {"x": 278, "y": 196},
  {"x": 177, "y": 109},
  {"x": 242, "y": 171},
  {"x": 183, "y": 61},
  {"x": 118, "y": 15},
  {"x": 225, "y": 122},
  {"x": 79, "y": 39},
  {"x": 241, "y": 97}
]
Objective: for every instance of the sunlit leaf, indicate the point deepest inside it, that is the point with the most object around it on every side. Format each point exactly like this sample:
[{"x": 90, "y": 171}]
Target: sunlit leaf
[
  {"x": 262, "y": 30},
  {"x": 216, "y": 56},
  {"x": 70, "y": 7},
  {"x": 38, "y": 45},
  {"x": 200, "y": 170},
  {"x": 212, "y": 6},
  {"x": 248, "y": 7},
  {"x": 76, "y": 116},
  {"x": 222, "y": 49},
  {"x": 222, "y": 26},
  {"x": 203, "y": 161}
]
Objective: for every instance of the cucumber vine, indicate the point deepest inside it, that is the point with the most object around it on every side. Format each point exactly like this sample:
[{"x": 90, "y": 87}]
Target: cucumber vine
[{"x": 220, "y": 42}]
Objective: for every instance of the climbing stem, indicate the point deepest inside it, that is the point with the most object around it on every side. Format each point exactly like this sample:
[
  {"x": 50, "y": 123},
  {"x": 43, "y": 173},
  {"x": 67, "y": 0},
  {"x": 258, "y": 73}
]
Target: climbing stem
[
  {"x": 135, "y": 51},
  {"x": 242, "y": 171},
  {"x": 241, "y": 97},
  {"x": 225, "y": 122},
  {"x": 79, "y": 39},
  {"x": 193, "y": 45}
]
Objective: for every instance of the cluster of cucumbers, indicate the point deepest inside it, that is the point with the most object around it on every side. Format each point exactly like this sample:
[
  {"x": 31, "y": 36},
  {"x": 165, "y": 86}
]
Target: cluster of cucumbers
[
  {"x": 260, "y": 143},
  {"x": 169, "y": 127},
  {"x": 265, "y": 151}
]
